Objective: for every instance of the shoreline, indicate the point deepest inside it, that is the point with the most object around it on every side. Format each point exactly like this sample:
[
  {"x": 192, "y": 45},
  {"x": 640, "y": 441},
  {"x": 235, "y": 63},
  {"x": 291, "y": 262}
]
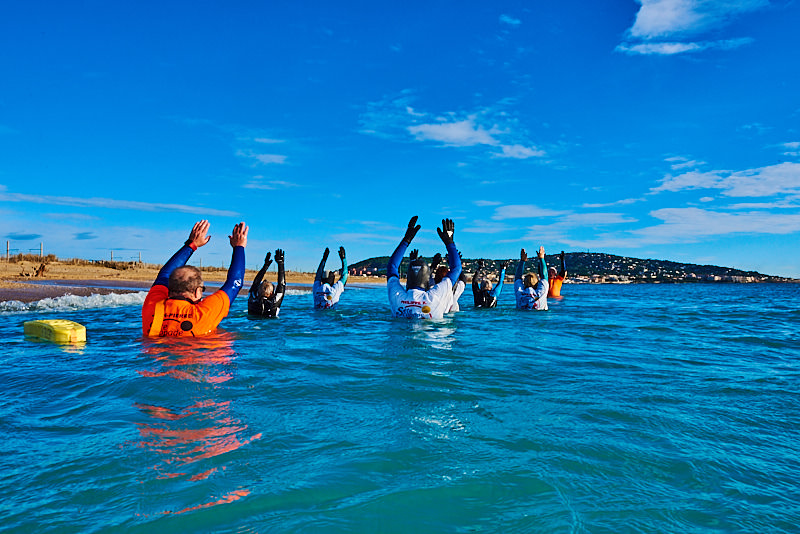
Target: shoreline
[{"x": 60, "y": 279}]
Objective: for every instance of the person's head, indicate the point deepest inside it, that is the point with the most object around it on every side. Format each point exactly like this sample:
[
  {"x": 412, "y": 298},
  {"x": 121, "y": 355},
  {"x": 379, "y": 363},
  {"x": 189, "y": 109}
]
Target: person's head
[
  {"x": 552, "y": 272},
  {"x": 486, "y": 285},
  {"x": 266, "y": 289},
  {"x": 329, "y": 278},
  {"x": 419, "y": 275},
  {"x": 530, "y": 280},
  {"x": 186, "y": 281},
  {"x": 441, "y": 272}
]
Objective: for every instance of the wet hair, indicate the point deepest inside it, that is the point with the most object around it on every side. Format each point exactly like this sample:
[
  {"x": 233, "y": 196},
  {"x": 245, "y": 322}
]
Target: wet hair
[
  {"x": 530, "y": 279},
  {"x": 184, "y": 279},
  {"x": 266, "y": 289},
  {"x": 486, "y": 285},
  {"x": 441, "y": 272},
  {"x": 330, "y": 278}
]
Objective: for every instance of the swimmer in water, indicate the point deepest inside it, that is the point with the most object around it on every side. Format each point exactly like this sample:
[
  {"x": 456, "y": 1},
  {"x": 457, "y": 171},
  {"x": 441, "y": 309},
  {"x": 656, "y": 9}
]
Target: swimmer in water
[
  {"x": 530, "y": 290},
  {"x": 175, "y": 306},
  {"x": 484, "y": 295},
  {"x": 326, "y": 292},
  {"x": 556, "y": 278},
  {"x": 265, "y": 299},
  {"x": 418, "y": 299}
]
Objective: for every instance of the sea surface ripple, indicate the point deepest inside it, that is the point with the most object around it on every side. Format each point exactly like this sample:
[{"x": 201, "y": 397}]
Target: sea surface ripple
[{"x": 624, "y": 408}]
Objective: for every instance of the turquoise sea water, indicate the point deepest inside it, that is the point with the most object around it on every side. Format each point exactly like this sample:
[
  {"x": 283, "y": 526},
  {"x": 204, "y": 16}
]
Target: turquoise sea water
[{"x": 646, "y": 408}]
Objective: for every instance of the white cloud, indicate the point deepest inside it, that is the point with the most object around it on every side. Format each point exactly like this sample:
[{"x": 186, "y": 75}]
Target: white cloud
[
  {"x": 520, "y": 152},
  {"x": 661, "y": 26},
  {"x": 671, "y": 48},
  {"x": 706, "y": 199},
  {"x": 507, "y": 19},
  {"x": 783, "y": 178},
  {"x": 267, "y": 141},
  {"x": 621, "y": 202},
  {"x": 659, "y": 18},
  {"x": 523, "y": 211},
  {"x": 677, "y": 163},
  {"x": 460, "y": 133},
  {"x": 484, "y": 203},
  {"x": 109, "y": 203},
  {"x": 258, "y": 183}
]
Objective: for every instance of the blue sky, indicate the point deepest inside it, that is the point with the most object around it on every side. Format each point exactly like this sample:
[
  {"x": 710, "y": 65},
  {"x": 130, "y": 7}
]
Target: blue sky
[{"x": 664, "y": 129}]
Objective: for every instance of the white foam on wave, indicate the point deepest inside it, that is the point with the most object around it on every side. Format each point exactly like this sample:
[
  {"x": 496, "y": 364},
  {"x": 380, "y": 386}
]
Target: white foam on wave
[
  {"x": 73, "y": 302},
  {"x": 298, "y": 291}
]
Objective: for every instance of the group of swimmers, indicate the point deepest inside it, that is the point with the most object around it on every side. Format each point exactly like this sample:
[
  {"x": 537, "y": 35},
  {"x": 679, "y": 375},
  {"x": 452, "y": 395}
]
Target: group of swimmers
[{"x": 175, "y": 306}]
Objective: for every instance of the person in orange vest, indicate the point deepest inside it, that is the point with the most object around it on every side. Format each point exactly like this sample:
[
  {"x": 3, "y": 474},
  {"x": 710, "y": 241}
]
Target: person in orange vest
[
  {"x": 557, "y": 278},
  {"x": 175, "y": 307}
]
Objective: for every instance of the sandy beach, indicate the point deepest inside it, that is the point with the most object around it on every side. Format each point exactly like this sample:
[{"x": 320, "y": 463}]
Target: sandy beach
[{"x": 18, "y": 280}]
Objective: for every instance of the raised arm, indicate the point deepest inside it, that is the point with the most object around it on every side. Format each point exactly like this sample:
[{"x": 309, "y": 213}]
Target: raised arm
[
  {"x": 260, "y": 276},
  {"x": 523, "y": 257},
  {"x": 542, "y": 265},
  {"x": 280, "y": 290},
  {"x": 343, "y": 257},
  {"x": 499, "y": 286},
  {"x": 446, "y": 235},
  {"x": 397, "y": 256},
  {"x": 321, "y": 268},
  {"x": 197, "y": 238},
  {"x": 233, "y": 283},
  {"x": 563, "y": 272}
]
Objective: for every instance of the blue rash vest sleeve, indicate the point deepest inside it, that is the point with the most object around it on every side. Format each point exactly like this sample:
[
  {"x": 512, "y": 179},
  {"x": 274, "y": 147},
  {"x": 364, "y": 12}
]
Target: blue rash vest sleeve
[
  {"x": 495, "y": 292},
  {"x": 563, "y": 266},
  {"x": 235, "y": 279},
  {"x": 520, "y": 270},
  {"x": 455, "y": 269},
  {"x": 343, "y": 279},
  {"x": 542, "y": 269},
  {"x": 178, "y": 259},
  {"x": 394, "y": 261}
]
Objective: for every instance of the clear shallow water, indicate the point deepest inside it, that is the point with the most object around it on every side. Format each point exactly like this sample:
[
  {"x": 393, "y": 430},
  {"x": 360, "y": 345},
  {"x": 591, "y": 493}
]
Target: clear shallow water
[{"x": 647, "y": 408}]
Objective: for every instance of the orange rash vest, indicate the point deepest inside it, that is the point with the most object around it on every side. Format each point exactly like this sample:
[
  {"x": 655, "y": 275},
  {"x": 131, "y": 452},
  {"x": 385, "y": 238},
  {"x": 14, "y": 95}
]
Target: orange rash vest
[{"x": 165, "y": 317}]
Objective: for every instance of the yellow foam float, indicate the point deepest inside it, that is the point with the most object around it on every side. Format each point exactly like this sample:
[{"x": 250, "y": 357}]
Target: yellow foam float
[{"x": 56, "y": 330}]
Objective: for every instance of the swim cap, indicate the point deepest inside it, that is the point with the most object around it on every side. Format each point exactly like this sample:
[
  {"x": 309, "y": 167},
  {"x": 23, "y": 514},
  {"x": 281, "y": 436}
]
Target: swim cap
[{"x": 419, "y": 275}]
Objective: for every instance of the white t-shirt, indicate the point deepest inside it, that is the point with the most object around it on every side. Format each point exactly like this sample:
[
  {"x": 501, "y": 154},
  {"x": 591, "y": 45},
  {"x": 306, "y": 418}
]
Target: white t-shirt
[
  {"x": 326, "y": 295},
  {"x": 419, "y": 304},
  {"x": 529, "y": 298},
  {"x": 457, "y": 291}
]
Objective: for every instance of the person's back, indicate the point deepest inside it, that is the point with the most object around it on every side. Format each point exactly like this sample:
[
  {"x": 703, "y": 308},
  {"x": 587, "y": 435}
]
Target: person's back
[
  {"x": 264, "y": 299},
  {"x": 556, "y": 278},
  {"x": 175, "y": 307},
  {"x": 530, "y": 291},
  {"x": 484, "y": 294},
  {"x": 325, "y": 291},
  {"x": 418, "y": 300}
]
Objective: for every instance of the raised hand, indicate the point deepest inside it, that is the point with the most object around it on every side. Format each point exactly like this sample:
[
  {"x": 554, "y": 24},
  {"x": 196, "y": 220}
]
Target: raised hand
[
  {"x": 414, "y": 255},
  {"x": 342, "y": 254},
  {"x": 446, "y": 231},
  {"x": 437, "y": 259},
  {"x": 412, "y": 230},
  {"x": 238, "y": 237},
  {"x": 325, "y": 254},
  {"x": 268, "y": 259},
  {"x": 198, "y": 234},
  {"x": 279, "y": 255},
  {"x": 523, "y": 256},
  {"x": 541, "y": 252}
]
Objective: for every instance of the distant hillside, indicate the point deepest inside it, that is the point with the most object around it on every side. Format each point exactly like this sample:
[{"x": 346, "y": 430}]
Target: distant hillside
[{"x": 599, "y": 267}]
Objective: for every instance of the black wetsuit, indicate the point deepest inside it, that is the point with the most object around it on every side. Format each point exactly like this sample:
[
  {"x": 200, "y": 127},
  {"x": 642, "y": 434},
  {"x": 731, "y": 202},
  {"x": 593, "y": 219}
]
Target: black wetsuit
[
  {"x": 486, "y": 298},
  {"x": 271, "y": 306}
]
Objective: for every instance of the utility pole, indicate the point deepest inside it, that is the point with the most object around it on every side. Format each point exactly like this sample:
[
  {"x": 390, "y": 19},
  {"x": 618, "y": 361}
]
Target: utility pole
[
  {"x": 41, "y": 249},
  {"x": 112, "y": 255}
]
